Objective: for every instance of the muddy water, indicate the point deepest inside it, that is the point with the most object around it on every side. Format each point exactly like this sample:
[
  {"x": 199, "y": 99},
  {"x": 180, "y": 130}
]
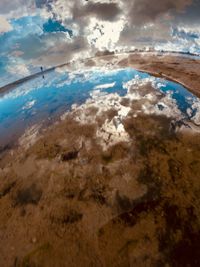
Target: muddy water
[
  {"x": 136, "y": 204},
  {"x": 162, "y": 228}
]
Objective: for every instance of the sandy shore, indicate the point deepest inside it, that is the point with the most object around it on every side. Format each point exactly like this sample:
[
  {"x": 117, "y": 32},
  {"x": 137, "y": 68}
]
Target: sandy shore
[
  {"x": 185, "y": 71},
  {"x": 111, "y": 183}
]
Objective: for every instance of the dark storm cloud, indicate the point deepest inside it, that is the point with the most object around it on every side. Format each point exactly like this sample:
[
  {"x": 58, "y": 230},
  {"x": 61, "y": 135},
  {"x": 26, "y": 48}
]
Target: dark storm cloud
[
  {"x": 191, "y": 14},
  {"x": 104, "y": 11},
  {"x": 145, "y": 11},
  {"x": 42, "y": 3},
  {"x": 62, "y": 52},
  {"x": 7, "y": 6},
  {"x": 152, "y": 22},
  {"x": 140, "y": 37},
  {"x": 80, "y": 9},
  {"x": 139, "y": 23}
]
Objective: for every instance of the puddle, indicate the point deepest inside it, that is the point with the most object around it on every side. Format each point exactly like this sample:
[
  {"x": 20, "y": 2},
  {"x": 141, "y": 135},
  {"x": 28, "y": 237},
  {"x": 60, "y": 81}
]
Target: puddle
[{"x": 40, "y": 101}]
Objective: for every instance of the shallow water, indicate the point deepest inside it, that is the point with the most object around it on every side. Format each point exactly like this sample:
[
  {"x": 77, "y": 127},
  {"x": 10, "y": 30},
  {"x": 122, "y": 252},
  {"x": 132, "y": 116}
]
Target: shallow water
[{"x": 42, "y": 100}]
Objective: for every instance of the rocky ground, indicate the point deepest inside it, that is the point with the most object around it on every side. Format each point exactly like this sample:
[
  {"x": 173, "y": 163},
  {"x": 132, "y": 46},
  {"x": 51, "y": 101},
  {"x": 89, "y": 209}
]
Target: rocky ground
[{"x": 107, "y": 185}]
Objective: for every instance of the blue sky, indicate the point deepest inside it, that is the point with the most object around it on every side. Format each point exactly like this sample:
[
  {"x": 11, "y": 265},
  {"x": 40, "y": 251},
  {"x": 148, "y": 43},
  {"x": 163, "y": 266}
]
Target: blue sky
[{"x": 30, "y": 38}]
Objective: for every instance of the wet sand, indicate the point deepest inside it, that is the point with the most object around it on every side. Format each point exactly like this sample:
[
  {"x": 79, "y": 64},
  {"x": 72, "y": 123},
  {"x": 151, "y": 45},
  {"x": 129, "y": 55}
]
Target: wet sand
[
  {"x": 185, "y": 71},
  {"x": 82, "y": 194},
  {"x": 181, "y": 69}
]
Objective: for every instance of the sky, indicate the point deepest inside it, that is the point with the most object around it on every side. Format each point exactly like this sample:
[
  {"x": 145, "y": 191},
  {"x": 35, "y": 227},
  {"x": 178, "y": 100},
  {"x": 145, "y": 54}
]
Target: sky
[{"x": 46, "y": 33}]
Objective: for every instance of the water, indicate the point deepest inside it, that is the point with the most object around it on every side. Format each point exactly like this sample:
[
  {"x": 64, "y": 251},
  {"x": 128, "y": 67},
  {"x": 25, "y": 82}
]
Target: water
[
  {"x": 183, "y": 97},
  {"x": 40, "y": 101}
]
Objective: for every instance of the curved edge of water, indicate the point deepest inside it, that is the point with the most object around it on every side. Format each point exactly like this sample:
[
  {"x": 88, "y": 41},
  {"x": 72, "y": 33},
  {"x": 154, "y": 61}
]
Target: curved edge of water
[{"x": 11, "y": 86}]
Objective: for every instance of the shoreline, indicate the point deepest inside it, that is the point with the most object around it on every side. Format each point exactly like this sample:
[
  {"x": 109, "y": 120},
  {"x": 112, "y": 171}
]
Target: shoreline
[
  {"x": 11, "y": 86},
  {"x": 166, "y": 77},
  {"x": 124, "y": 61}
]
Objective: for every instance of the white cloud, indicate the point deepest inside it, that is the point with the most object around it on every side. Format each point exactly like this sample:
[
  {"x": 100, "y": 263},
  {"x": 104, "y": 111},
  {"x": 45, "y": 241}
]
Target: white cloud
[
  {"x": 104, "y": 34},
  {"x": 115, "y": 25},
  {"x": 5, "y": 26},
  {"x": 18, "y": 69},
  {"x": 29, "y": 105},
  {"x": 105, "y": 86}
]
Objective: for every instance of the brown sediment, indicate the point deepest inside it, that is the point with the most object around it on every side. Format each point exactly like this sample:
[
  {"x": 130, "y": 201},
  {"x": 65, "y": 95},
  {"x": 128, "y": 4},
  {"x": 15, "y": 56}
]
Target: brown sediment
[
  {"x": 184, "y": 71},
  {"x": 162, "y": 227},
  {"x": 65, "y": 201},
  {"x": 180, "y": 69}
]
